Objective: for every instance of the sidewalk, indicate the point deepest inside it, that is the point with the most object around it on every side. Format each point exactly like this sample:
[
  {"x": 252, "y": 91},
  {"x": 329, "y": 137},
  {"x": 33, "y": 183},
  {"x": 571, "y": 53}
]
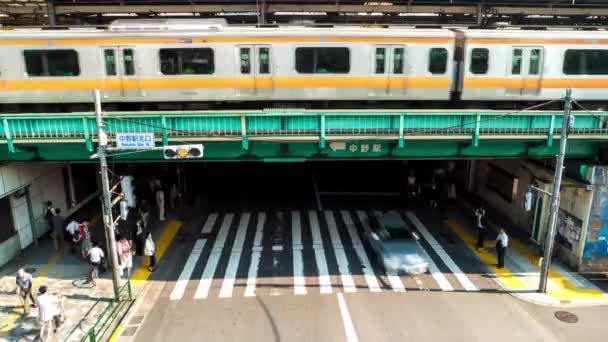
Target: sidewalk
[
  {"x": 64, "y": 273},
  {"x": 521, "y": 274}
]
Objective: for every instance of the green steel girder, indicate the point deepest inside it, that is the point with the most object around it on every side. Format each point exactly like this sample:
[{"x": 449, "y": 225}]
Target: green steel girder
[{"x": 333, "y": 134}]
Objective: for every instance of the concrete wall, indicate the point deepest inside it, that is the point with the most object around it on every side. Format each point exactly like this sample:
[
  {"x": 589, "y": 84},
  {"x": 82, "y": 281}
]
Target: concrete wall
[
  {"x": 45, "y": 182},
  {"x": 575, "y": 205},
  {"x": 512, "y": 209}
]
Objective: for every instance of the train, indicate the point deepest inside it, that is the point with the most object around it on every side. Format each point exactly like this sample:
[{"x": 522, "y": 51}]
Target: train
[{"x": 206, "y": 63}]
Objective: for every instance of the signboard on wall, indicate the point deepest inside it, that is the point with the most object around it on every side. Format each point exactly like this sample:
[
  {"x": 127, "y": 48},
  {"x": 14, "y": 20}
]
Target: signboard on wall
[{"x": 568, "y": 229}]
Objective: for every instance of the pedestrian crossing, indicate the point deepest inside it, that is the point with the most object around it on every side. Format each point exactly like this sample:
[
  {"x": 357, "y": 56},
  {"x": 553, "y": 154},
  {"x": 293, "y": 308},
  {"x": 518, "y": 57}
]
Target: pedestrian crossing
[{"x": 247, "y": 254}]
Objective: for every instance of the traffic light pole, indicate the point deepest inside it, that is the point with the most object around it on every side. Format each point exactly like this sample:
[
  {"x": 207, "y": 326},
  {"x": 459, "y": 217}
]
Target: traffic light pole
[
  {"x": 107, "y": 201},
  {"x": 557, "y": 180}
]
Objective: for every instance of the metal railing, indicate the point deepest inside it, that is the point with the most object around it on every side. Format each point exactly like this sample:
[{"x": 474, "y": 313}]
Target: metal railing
[
  {"x": 297, "y": 123},
  {"x": 109, "y": 315}
]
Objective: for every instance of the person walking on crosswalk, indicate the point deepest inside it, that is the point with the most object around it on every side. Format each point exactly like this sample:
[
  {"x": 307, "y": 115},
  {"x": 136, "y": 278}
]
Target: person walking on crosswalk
[
  {"x": 502, "y": 241},
  {"x": 480, "y": 214}
]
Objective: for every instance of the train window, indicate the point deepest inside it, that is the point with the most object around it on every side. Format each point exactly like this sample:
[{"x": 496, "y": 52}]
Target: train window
[
  {"x": 516, "y": 62},
  {"x": 586, "y": 62},
  {"x": 264, "y": 56},
  {"x": 187, "y": 61},
  {"x": 535, "y": 58},
  {"x": 322, "y": 60},
  {"x": 438, "y": 61},
  {"x": 110, "y": 62},
  {"x": 380, "y": 60},
  {"x": 128, "y": 61},
  {"x": 398, "y": 61},
  {"x": 245, "y": 60},
  {"x": 51, "y": 63},
  {"x": 479, "y": 61}
]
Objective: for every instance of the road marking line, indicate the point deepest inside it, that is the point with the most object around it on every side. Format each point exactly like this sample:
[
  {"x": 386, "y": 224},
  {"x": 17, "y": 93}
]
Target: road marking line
[
  {"x": 349, "y": 328},
  {"x": 324, "y": 279},
  {"x": 255, "y": 256},
  {"x": 202, "y": 290},
  {"x": 348, "y": 284},
  {"x": 368, "y": 271},
  {"x": 447, "y": 260},
  {"x": 184, "y": 277},
  {"x": 392, "y": 277},
  {"x": 208, "y": 227},
  {"x": 299, "y": 283},
  {"x": 235, "y": 257}
]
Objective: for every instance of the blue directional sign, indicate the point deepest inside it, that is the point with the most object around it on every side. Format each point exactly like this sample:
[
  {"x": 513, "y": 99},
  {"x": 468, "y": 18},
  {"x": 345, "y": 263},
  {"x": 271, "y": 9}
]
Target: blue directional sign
[{"x": 135, "y": 140}]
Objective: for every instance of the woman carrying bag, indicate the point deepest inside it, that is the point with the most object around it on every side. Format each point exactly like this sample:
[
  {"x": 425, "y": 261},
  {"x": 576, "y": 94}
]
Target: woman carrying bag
[{"x": 150, "y": 250}]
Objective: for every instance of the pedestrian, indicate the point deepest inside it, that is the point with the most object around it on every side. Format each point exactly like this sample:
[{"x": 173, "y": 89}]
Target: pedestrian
[
  {"x": 24, "y": 289},
  {"x": 150, "y": 250},
  {"x": 502, "y": 241},
  {"x": 48, "y": 214},
  {"x": 159, "y": 195},
  {"x": 58, "y": 224},
  {"x": 85, "y": 238},
  {"x": 125, "y": 254},
  {"x": 72, "y": 232},
  {"x": 142, "y": 226},
  {"x": 480, "y": 214},
  {"x": 48, "y": 314},
  {"x": 96, "y": 257},
  {"x": 173, "y": 196},
  {"x": 434, "y": 194}
]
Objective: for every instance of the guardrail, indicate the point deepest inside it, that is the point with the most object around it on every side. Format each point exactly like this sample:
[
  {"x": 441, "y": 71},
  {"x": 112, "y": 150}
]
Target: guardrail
[
  {"x": 109, "y": 314},
  {"x": 301, "y": 125}
]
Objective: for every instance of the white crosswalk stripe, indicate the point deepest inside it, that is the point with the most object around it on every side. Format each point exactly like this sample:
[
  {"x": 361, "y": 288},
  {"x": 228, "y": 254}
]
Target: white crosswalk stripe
[
  {"x": 182, "y": 282},
  {"x": 347, "y": 280},
  {"x": 345, "y": 232},
  {"x": 447, "y": 260},
  {"x": 202, "y": 290},
  {"x": 235, "y": 257},
  {"x": 256, "y": 253},
  {"x": 299, "y": 283},
  {"x": 317, "y": 243},
  {"x": 368, "y": 271}
]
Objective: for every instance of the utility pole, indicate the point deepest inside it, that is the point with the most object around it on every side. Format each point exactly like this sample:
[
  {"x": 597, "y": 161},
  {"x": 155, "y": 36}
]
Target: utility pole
[
  {"x": 108, "y": 220},
  {"x": 557, "y": 180}
]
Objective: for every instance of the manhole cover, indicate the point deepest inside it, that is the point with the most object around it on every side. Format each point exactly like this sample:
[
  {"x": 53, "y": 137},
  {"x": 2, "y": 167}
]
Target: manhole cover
[
  {"x": 129, "y": 331},
  {"x": 566, "y": 316},
  {"x": 136, "y": 320}
]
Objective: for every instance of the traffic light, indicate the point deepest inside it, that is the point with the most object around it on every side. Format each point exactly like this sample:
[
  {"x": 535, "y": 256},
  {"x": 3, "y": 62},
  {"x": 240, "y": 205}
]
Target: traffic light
[
  {"x": 528, "y": 200},
  {"x": 183, "y": 151}
]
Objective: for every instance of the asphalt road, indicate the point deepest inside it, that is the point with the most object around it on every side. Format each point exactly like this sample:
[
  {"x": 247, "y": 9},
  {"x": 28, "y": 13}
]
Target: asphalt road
[{"x": 425, "y": 311}]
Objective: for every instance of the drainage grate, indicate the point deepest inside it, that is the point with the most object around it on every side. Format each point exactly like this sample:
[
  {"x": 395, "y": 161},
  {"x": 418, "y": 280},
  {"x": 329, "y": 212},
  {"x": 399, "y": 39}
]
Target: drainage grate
[
  {"x": 136, "y": 320},
  {"x": 129, "y": 331},
  {"x": 566, "y": 316}
]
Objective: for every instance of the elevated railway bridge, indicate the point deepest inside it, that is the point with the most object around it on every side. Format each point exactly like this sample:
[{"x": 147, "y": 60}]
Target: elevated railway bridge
[{"x": 298, "y": 135}]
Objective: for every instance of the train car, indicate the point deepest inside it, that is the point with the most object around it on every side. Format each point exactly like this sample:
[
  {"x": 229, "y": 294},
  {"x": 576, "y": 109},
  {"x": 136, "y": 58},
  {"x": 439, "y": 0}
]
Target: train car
[
  {"x": 208, "y": 61},
  {"x": 511, "y": 65}
]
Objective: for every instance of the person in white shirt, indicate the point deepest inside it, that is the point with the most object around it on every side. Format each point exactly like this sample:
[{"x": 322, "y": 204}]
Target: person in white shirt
[
  {"x": 96, "y": 256},
  {"x": 150, "y": 251},
  {"x": 73, "y": 231},
  {"x": 502, "y": 241},
  {"x": 480, "y": 214},
  {"x": 48, "y": 314}
]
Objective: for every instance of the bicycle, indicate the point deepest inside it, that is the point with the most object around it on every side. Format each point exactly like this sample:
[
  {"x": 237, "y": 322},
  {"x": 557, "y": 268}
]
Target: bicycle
[{"x": 94, "y": 273}]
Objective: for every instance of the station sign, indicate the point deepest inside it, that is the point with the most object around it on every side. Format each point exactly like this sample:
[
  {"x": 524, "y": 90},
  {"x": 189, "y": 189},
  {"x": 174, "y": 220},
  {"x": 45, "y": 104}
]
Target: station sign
[{"x": 135, "y": 141}]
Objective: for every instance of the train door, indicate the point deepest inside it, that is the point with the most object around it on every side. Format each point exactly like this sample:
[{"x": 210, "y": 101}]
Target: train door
[
  {"x": 525, "y": 70},
  {"x": 388, "y": 67},
  {"x": 255, "y": 69},
  {"x": 120, "y": 73}
]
